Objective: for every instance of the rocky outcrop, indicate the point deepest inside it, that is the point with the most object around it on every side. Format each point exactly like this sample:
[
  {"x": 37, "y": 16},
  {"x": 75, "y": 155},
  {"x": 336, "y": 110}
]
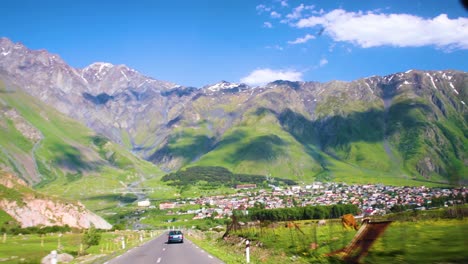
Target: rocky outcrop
[
  {"x": 23, "y": 126},
  {"x": 45, "y": 212},
  {"x": 34, "y": 209},
  {"x": 59, "y": 258}
]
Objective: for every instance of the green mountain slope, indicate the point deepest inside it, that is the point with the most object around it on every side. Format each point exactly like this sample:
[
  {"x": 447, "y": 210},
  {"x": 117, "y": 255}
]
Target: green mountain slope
[
  {"x": 60, "y": 156},
  {"x": 403, "y": 128},
  {"x": 407, "y": 128}
]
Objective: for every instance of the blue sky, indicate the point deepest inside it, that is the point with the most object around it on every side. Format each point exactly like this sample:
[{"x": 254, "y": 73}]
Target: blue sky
[{"x": 196, "y": 43}]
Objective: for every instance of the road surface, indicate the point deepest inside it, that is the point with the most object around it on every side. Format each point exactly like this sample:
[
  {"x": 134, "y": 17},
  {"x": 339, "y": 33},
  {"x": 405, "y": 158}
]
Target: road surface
[{"x": 159, "y": 252}]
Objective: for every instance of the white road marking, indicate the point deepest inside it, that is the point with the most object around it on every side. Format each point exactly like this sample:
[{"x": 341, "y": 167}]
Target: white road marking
[
  {"x": 210, "y": 256},
  {"x": 164, "y": 249},
  {"x": 159, "y": 260}
]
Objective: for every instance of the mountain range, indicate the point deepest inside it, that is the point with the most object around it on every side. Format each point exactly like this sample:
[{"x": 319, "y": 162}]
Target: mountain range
[{"x": 400, "y": 128}]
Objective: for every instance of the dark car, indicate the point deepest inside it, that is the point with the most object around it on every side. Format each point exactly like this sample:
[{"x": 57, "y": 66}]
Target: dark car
[{"x": 175, "y": 236}]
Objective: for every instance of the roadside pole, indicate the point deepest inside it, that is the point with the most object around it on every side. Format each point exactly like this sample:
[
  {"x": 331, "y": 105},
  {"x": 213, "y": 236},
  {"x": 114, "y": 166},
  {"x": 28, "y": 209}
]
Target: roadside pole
[
  {"x": 53, "y": 258},
  {"x": 247, "y": 251}
]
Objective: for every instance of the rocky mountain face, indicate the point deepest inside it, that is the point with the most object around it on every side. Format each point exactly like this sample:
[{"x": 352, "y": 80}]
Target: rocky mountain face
[
  {"x": 412, "y": 123},
  {"x": 33, "y": 209},
  {"x": 102, "y": 88}
]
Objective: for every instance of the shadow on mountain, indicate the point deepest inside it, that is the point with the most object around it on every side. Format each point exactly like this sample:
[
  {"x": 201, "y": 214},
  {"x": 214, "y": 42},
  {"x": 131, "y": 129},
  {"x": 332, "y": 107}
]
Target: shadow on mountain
[
  {"x": 289, "y": 84},
  {"x": 261, "y": 111},
  {"x": 335, "y": 134},
  {"x": 179, "y": 91},
  {"x": 402, "y": 116},
  {"x": 235, "y": 137},
  {"x": 199, "y": 145},
  {"x": 100, "y": 99},
  {"x": 262, "y": 148},
  {"x": 123, "y": 198},
  {"x": 173, "y": 121},
  {"x": 70, "y": 158},
  {"x": 4, "y": 91},
  {"x": 339, "y": 131}
]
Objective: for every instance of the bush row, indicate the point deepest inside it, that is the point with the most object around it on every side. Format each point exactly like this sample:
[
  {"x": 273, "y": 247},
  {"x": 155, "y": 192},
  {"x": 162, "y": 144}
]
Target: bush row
[{"x": 302, "y": 213}]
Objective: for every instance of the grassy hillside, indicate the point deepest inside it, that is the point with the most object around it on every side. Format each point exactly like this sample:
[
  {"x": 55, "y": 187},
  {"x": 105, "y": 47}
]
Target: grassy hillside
[
  {"x": 65, "y": 158},
  {"x": 258, "y": 145},
  {"x": 400, "y": 132}
]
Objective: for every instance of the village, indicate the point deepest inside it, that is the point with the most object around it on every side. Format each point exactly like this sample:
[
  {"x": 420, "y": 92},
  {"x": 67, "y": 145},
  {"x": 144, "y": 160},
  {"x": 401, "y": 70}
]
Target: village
[{"x": 371, "y": 199}]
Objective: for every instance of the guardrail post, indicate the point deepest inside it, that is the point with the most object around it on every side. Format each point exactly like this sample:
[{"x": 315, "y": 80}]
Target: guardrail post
[
  {"x": 123, "y": 242},
  {"x": 53, "y": 258},
  {"x": 247, "y": 251}
]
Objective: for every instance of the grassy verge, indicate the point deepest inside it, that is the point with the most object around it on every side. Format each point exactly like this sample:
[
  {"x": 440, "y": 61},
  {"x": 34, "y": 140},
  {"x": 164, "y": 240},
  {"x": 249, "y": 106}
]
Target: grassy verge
[
  {"x": 32, "y": 248},
  {"x": 210, "y": 242},
  {"x": 426, "y": 241}
]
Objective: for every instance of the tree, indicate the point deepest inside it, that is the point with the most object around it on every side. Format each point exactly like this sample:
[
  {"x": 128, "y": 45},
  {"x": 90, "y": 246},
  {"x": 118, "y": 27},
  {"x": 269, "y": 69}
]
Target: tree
[{"x": 91, "y": 237}]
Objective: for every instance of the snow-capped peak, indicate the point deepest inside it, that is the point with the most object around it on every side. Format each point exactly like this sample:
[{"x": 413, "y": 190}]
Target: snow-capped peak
[
  {"x": 97, "y": 70},
  {"x": 221, "y": 86},
  {"x": 99, "y": 66}
]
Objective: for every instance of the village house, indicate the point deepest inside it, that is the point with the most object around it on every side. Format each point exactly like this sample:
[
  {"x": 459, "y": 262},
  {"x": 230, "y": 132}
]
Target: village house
[
  {"x": 246, "y": 186},
  {"x": 167, "y": 205}
]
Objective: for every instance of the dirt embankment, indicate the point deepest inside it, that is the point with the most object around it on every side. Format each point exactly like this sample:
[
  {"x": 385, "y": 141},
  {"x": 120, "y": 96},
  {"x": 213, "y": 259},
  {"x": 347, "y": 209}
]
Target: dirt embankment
[{"x": 33, "y": 209}]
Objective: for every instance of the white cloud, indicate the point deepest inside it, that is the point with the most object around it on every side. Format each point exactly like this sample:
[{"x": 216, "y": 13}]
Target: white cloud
[
  {"x": 297, "y": 12},
  {"x": 262, "y": 8},
  {"x": 284, "y": 3},
  {"x": 399, "y": 30},
  {"x": 264, "y": 76},
  {"x": 276, "y": 47},
  {"x": 267, "y": 25},
  {"x": 274, "y": 14},
  {"x": 302, "y": 40},
  {"x": 323, "y": 62}
]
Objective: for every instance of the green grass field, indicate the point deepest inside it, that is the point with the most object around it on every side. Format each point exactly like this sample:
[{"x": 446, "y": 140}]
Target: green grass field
[
  {"x": 32, "y": 248},
  {"x": 427, "y": 241}
]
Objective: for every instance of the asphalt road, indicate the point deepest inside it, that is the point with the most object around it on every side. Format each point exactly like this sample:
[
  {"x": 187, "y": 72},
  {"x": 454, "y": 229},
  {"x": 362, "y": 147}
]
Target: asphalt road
[{"x": 159, "y": 252}]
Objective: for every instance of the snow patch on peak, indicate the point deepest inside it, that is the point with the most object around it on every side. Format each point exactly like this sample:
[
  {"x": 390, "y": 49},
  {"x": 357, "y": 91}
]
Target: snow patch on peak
[
  {"x": 453, "y": 87},
  {"x": 408, "y": 71},
  {"x": 104, "y": 65},
  {"x": 389, "y": 78},
  {"x": 404, "y": 83},
  {"x": 99, "y": 66},
  {"x": 98, "y": 69},
  {"x": 221, "y": 86},
  {"x": 447, "y": 77},
  {"x": 123, "y": 73},
  {"x": 368, "y": 86},
  {"x": 432, "y": 80}
]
